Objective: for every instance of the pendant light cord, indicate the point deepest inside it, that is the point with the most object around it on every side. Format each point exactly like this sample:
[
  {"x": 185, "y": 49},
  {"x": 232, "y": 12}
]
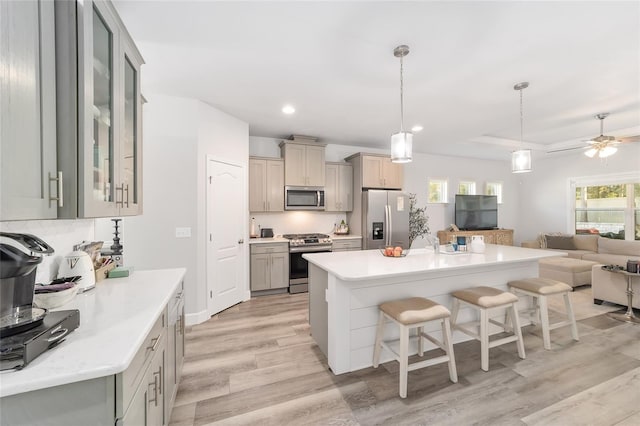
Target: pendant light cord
[
  {"x": 521, "y": 122},
  {"x": 401, "y": 96}
]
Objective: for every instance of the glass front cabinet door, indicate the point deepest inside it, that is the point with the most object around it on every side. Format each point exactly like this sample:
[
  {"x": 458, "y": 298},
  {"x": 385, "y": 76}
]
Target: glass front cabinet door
[{"x": 110, "y": 110}]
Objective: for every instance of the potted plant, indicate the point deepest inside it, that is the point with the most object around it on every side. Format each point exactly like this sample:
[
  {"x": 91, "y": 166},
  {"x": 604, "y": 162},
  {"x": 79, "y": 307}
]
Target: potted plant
[{"x": 418, "y": 220}]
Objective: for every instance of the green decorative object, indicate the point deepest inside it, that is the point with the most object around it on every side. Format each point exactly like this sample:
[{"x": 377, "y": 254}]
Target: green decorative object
[{"x": 418, "y": 220}]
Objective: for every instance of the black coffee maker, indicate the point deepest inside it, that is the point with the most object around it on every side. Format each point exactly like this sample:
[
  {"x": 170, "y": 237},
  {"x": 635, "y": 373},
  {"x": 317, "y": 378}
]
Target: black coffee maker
[{"x": 17, "y": 283}]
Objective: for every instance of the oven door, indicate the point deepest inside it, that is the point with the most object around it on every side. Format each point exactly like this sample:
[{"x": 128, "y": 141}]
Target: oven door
[{"x": 299, "y": 268}]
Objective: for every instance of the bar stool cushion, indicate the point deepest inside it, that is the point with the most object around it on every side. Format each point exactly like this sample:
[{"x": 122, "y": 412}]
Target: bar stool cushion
[
  {"x": 543, "y": 286},
  {"x": 414, "y": 310},
  {"x": 485, "y": 297}
]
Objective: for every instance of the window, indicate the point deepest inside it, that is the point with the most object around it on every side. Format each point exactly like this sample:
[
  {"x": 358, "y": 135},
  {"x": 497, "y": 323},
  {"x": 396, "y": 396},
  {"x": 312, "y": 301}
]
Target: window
[
  {"x": 437, "y": 190},
  {"x": 494, "y": 188},
  {"x": 608, "y": 209},
  {"x": 467, "y": 188}
]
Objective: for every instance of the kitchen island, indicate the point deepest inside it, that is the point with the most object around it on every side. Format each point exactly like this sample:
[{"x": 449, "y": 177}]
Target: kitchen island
[
  {"x": 346, "y": 288},
  {"x": 98, "y": 374}
]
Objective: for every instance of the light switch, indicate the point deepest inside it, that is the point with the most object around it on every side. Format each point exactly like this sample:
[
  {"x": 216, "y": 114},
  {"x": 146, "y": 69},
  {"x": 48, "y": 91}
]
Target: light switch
[{"x": 183, "y": 232}]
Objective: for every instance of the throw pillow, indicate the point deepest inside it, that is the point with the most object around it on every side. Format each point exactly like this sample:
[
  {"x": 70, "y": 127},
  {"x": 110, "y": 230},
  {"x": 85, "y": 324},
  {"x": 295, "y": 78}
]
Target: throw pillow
[{"x": 560, "y": 242}]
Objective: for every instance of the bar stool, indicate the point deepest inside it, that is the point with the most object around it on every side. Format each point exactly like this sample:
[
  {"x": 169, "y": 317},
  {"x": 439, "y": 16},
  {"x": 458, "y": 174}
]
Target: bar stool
[
  {"x": 486, "y": 299},
  {"x": 410, "y": 313},
  {"x": 539, "y": 289}
]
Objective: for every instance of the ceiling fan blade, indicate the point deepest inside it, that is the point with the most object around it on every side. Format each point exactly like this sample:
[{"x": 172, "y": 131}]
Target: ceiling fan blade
[
  {"x": 567, "y": 149},
  {"x": 628, "y": 139}
]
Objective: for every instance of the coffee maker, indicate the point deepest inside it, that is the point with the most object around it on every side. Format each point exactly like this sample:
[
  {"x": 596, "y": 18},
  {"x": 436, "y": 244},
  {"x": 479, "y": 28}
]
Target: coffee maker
[
  {"x": 25, "y": 329},
  {"x": 17, "y": 281}
]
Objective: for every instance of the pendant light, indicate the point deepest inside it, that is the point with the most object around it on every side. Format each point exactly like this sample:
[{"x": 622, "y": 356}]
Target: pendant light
[
  {"x": 401, "y": 142},
  {"x": 521, "y": 159}
]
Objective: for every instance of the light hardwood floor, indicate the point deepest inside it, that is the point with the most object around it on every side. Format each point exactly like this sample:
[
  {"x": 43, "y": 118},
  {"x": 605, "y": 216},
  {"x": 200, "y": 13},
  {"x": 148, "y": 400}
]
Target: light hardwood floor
[{"x": 256, "y": 363}]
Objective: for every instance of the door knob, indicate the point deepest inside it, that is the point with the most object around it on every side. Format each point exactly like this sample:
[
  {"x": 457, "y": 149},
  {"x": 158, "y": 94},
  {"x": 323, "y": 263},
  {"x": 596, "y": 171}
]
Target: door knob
[{"x": 241, "y": 241}]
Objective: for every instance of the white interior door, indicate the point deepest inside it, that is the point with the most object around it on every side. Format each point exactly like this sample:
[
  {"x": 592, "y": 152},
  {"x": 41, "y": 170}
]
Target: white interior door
[{"x": 225, "y": 227}]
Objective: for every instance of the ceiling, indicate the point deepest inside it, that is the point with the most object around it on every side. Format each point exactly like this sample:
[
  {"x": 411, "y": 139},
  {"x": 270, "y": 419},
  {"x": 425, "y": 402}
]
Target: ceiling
[{"x": 334, "y": 62}]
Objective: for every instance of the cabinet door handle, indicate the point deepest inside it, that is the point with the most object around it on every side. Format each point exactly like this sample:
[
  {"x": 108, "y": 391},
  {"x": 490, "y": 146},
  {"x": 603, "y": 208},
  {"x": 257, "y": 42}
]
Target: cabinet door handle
[
  {"x": 121, "y": 189},
  {"x": 127, "y": 191},
  {"x": 155, "y": 390},
  {"x": 58, "y": 180},
  {"x": 264, "y": 205}
]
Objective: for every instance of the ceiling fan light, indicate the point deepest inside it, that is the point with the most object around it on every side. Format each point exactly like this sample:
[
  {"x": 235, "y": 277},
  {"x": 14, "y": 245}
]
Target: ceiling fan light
[
  {"x": 591, "y": 152},
  {"x": 401, "y": 147},
  {"x": 607, "y": 151},
  {"x": 521, "y": 161}
]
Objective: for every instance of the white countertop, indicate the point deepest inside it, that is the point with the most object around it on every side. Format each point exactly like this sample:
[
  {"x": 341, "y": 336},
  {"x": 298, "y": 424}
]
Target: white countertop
[
  {"x": 345, "y": 237},
  {"x": 115, "y": 317},
  {"x": 371, "y": 264},
  {"x": 276, "y": 239}
]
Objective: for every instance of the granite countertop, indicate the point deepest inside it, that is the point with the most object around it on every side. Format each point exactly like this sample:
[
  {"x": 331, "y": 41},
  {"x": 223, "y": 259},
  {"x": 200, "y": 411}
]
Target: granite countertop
[
  {"x": 371, "y": 264},
  {"x": 115, "y": 318}
]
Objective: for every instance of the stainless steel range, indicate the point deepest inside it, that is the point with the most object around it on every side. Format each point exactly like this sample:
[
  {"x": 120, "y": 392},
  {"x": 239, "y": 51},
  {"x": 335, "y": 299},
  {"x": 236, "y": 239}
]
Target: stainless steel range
[{"x": 298, "y": 267}]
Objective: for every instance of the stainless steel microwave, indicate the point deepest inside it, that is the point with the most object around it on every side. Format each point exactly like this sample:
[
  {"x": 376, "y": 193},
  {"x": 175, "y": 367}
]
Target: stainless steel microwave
[{"x": 304, "y": 198}]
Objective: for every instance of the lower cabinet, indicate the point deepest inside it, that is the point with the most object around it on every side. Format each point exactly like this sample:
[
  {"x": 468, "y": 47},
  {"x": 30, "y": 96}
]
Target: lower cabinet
[
  {"x": 269, "y": 266},
  {"x": 146, "y": 391},
  {"x": 142, "y": 395},
  {"x": 175, "y": 350},
  {"x": 148, "y": 404},
  {"x": 347, "y": 245}
]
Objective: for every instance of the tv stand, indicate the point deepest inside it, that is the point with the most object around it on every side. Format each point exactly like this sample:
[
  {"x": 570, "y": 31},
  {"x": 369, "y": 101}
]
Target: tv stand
[{"x": 491, "y": 236}]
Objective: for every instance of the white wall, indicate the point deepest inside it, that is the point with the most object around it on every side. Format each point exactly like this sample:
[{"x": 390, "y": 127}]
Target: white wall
[
  {"x": 179, "y": 133},
  {"x": 62, "y": 235},
  {"x": 545, "y": 198}
]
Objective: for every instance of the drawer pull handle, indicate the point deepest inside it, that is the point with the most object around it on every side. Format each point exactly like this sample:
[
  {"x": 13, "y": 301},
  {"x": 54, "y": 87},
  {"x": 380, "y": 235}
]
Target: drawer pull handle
[{"x": 156, "y": 341}]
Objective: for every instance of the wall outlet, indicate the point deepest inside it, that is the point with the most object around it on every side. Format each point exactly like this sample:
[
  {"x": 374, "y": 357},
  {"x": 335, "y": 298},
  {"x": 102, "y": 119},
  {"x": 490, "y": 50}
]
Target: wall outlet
[{"x": 183, "y": 232}]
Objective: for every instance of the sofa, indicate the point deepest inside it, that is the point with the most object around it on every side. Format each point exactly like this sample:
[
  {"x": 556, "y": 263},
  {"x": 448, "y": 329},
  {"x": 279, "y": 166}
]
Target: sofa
[
  {"x": 591, "y": 247},
  {"x": 612, "y": 287}
]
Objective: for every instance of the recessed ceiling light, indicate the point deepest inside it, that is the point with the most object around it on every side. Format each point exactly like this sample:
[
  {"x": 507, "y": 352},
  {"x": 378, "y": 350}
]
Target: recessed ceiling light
[
  {"x": 288, "y": 109},
  {"x": 417, "y": 128}
]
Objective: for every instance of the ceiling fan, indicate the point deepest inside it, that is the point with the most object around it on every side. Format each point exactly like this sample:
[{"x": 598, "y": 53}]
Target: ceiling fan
[{"x": 604, "y": 146}]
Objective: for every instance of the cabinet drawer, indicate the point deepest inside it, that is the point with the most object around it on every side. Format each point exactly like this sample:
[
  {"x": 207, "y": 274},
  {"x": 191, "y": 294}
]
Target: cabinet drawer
[
  {"x": 346, "y": 245},
  {"x": 176, "y": 297},
  {"x": 130, "y": 378},
  {"x": 269, "y": 248}
]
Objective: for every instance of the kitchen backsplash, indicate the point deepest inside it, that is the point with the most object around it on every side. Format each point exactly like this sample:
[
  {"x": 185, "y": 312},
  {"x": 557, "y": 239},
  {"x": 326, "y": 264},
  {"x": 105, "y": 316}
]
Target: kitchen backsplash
[
  {"x": 62, "y": 235},
  {"x": 298, "y": 222}
]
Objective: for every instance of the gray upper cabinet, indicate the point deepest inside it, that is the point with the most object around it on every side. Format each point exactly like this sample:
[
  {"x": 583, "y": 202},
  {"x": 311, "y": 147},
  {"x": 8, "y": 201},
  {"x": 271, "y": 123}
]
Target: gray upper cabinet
[
  {"x": 109, "y": 114},
  {"x": 303, "y": 163},
  {"x": 338, "y": 187},
  {"x": 266, "y": 185},
  {"x": 30, "y": 183}
]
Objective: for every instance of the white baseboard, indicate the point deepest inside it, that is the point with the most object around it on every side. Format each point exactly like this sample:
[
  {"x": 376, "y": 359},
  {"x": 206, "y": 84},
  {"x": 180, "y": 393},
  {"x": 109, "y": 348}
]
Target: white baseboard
[
  {"x": 196, "y": 318},
  {"x": 202, "y": 316}
]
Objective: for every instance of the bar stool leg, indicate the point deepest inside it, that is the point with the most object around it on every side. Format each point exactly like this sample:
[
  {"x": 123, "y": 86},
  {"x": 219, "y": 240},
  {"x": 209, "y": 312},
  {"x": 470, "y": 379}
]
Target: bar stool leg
[
  {"x": 484, "y": 339},
  {"x": 378, "y": 345},
  {"x": 404, "y": 359},
  {"x": 544, "y": 319},
  {"x": 455, "y": 307},
  {"x": 517, "y": 330},
  {"x": 420, "y": 341},
  {"x": 572, "y": 318},
  {"x": 446, "y": 335}
]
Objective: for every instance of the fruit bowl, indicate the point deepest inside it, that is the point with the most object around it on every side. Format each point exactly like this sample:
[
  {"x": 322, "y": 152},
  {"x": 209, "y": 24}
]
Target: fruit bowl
[{"x": 391, "y": 251}]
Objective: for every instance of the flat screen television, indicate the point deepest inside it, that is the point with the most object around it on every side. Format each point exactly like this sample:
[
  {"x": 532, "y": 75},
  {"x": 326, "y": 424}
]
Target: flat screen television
[{"x": 476, "y": 212}]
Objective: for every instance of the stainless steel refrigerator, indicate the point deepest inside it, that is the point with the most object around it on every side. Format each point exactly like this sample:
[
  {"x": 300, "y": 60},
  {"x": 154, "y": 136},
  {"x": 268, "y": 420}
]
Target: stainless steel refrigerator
[{"x": 385, "y": 219}]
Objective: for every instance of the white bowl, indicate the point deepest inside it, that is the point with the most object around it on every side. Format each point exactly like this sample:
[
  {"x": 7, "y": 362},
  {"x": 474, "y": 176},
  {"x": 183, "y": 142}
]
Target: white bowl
[{"x": 57, "y": 299}]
